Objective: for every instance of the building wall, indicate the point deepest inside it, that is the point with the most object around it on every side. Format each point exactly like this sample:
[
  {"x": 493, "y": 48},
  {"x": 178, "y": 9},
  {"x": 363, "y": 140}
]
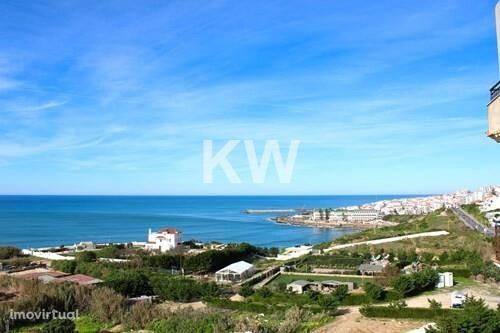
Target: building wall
[
  {"x": 163, "y": 241},
  {"x": 494, "y": 117}
]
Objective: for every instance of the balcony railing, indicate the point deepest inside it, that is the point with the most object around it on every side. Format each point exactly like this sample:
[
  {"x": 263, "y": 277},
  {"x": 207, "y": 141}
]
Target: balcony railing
[{"x": 495, "y": 91}]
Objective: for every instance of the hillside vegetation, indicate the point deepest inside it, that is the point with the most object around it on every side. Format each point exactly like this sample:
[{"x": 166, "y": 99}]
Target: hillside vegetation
[{"x": 460, "y": 236}]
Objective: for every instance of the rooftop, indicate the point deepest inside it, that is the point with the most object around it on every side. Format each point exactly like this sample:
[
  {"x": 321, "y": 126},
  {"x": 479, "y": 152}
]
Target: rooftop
[
  {"x": 170, "y": 231},
  {"x": 238, "y": 267},
  {"x": 301, "y": 283},
  {"x": 80, "y": 279}
]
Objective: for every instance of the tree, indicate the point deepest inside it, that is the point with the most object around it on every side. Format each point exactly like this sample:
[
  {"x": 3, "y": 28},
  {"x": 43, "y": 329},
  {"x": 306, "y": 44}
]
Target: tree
[
  {"x": 374, "y": 291},
  {"x": 404, "y": 285},
  {"x": 340, "y": 292},
  {"x": 59, "y": 326},
  {"x": 129, "y": 283},
  {"x": 425, "y": 280},
  {"x": 246, "y": 291},
  {"x": 264, "y": 292},
  {"x": 183, "y": 289},
  {"x": 474, "y": 318},
  {"x": 329, "y": 303},
  {"x": 86, "y": 256}
]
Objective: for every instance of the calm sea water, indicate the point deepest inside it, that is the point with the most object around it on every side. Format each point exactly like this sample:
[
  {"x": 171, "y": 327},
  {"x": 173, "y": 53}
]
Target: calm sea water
[{"x": 36, "y": 221}]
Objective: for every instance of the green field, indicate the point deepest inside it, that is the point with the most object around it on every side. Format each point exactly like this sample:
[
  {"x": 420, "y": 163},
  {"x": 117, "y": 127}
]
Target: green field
[{"x": 288, "y": 278}]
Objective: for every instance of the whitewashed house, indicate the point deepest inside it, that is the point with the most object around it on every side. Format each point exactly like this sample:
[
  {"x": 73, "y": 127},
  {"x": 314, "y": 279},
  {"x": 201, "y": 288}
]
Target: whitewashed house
[
  {"x": 236, "y": 272},
  {"x": 163, "y": 240}
]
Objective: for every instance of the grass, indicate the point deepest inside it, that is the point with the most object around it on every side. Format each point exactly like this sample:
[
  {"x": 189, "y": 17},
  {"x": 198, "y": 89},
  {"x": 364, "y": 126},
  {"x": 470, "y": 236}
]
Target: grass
[
  {"x": 462, "y": 282},
  {"x": 28, "y": 328},
  {"x": 460, "y": 236},
  {"x": 288, "y": 278},
  {"x": 408, "y": 224},
  {"x": 85, "y": 324}
]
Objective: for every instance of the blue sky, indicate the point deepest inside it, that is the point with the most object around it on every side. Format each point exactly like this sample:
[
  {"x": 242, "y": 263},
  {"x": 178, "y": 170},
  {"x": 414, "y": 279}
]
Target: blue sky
[{"x": 116, "y": 97}]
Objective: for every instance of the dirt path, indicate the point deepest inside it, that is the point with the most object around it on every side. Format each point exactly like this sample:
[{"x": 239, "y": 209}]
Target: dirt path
[
  {"x": 445, "y": 298},
  {"x": 351, "y": 321}
]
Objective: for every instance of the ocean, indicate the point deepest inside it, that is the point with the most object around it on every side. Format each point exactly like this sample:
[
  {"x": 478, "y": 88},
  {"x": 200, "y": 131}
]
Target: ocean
[{"x": 41, "y": 221}]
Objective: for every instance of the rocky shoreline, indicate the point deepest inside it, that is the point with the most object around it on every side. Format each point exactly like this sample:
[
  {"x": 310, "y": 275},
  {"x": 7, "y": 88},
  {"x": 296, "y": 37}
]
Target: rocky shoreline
[{"x": 332, "y": 225}]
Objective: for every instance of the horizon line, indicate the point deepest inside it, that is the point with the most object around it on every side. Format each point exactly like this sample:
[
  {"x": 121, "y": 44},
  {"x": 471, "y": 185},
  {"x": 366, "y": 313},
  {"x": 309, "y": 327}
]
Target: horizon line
[{"x": 218, "y": 195}]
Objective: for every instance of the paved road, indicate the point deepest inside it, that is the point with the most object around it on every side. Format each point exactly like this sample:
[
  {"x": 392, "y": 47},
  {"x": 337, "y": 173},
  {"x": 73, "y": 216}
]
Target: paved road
[{"x": 471, "y": 222}]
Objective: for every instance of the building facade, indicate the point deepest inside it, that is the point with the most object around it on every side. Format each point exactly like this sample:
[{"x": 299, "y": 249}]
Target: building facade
[{"x": 163, "y": 240}]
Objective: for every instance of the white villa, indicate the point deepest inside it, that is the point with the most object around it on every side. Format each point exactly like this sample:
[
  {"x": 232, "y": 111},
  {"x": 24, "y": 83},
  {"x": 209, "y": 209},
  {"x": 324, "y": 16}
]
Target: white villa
[
  {"x": 236, "y": 272},
  {"x": 163, "y": 240}
]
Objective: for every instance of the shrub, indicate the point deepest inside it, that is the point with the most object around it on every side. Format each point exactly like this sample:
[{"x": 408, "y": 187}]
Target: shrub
[
  {"x": 264, "y": 292},
  {"x": 129, "y": 283},
  {"x": 416, "y": 283},
  {"x": 329, "y": 303},
  {"x": 188, "y": 323},
  {"x": 433, "y": 304},
  {"x": 59, "y": 326},
  {"x": 8, "y": 252},
  {"x": 86, "y": 256},
  {"x": 341, "y": 292},
  {"x": 405, "y": 285},
  {"x": 112, "y": 251},
  {"x": 405, "y": 312},
  {"x": 141, "y": 314},
  {"x": 374, "y": 291},
  {"x": 182, "y": 289},
  {"x": 355, "y": 299},
  {"x": 246, "y": 291},
  {"x": 239, "y": 306},
  {"x": 474, "y": 318},
  {"x": 294, "y": 319},
  {"x": 66, "y": 266},
  {"x": 107, "y": 306}
]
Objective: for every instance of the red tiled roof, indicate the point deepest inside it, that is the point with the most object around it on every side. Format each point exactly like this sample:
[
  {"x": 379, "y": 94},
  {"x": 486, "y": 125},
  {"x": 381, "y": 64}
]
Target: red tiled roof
[
  {"x": 80, "y": 279},
  {"x": 37, "y": 272},
  {"x": 170, "y": 231}
]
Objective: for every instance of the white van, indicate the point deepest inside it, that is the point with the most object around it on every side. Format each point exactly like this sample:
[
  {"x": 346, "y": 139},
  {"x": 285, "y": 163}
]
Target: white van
[{"x": 457, "y": 299}]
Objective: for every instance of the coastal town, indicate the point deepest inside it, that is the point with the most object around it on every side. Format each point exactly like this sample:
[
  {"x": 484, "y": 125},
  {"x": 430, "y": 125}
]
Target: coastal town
[
  {"x": 354, "y": 276},
  {"x": 249, "y": 167},
  {"x": 372, "y": 214}
]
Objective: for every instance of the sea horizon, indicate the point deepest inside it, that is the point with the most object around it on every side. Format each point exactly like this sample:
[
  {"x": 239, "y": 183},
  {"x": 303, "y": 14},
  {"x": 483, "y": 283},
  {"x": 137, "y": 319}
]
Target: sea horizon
[{"x": 53, "y": 220}]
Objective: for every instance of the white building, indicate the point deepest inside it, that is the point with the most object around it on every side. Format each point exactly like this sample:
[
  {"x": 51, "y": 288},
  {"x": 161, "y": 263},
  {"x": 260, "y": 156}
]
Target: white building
[
  {"x": 236, "y": 272},
  {"x": 445, "y": 280},
  {"x": 492, "y": 203},
  {"x": 354, "y": 215},
  {"x": 294, "y": 252},
  {"x": 163, "y": 240}
]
